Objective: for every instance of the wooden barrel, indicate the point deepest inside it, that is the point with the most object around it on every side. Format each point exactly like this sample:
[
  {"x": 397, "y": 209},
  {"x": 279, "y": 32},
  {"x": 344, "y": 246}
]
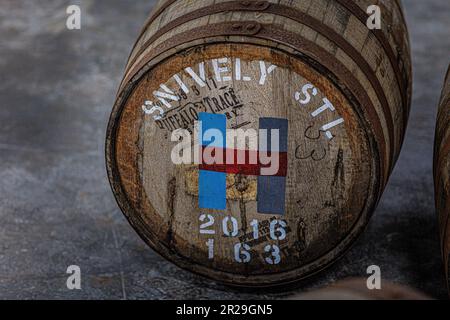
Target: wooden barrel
[
  {"x": 250, "y": 141},
  {"x": 356, "y": 289},
  {"x": 442, "y": 173}
]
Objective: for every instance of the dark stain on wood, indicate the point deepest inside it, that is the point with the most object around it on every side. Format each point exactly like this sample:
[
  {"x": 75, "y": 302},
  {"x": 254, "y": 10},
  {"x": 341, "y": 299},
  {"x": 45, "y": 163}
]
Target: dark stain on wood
[{"x": 171, "y": 197}]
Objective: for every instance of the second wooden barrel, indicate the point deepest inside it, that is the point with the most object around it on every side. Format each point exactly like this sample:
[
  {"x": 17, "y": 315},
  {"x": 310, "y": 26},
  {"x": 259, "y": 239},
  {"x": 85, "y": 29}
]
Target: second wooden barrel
[
  {"x": 356, "y": 289},
  {"x": 442, "y": 173},
  {"x": 251, "y": 141}
]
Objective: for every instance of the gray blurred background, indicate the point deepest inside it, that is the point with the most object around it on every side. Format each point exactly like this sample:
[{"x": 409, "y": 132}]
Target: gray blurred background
[{"x": 57, "y": 88}]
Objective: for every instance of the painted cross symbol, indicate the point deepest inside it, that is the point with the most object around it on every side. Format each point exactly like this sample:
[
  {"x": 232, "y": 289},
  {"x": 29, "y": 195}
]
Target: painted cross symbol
[{"x": 212, "y": 178}]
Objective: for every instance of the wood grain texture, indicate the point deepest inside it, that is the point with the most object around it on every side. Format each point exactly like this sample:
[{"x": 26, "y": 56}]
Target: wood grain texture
[
  {"x": 339, "y": 158},
  {"x": 442, "y": 173}
]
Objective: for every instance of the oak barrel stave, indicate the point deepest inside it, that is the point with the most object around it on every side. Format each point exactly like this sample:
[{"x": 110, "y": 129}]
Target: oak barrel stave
[{"x": 442, "y": 173}]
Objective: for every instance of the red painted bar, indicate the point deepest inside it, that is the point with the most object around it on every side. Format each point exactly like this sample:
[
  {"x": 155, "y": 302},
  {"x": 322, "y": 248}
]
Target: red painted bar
[{"x": 248, "y": 168}]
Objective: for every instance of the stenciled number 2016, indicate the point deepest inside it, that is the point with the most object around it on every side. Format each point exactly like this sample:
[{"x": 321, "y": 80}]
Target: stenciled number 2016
[{"x": 230, "y": 228}]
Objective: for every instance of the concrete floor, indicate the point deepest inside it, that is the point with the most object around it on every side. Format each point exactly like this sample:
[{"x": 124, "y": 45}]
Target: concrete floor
[{"x": 56, "y": 209}]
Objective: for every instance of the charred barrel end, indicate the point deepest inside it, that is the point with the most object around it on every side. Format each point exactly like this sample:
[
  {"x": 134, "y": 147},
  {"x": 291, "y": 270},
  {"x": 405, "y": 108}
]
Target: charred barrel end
[{"x": 442, "y": 173}]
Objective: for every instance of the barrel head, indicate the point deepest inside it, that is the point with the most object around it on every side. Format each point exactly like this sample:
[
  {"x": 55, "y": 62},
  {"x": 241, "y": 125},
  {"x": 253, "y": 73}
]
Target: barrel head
[{"x": 245, "y": 164}]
